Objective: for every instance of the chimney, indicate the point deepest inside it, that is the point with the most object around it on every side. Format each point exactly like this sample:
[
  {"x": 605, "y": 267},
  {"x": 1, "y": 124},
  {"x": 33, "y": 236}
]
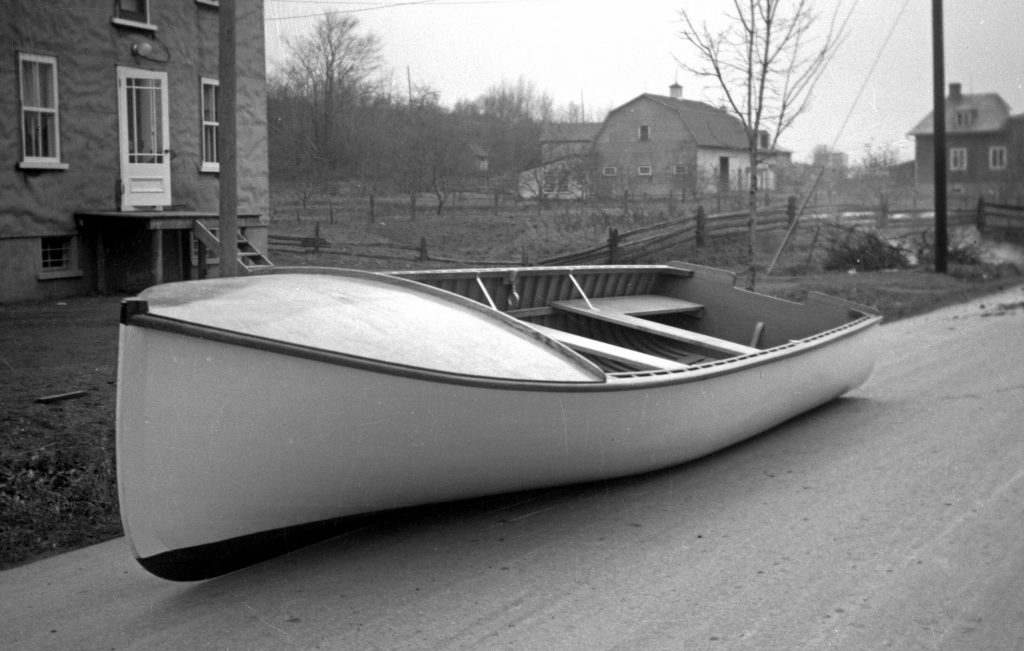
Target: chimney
[
  {"x": 954, "y": 91},
  {"x": 675, "y": 91}
]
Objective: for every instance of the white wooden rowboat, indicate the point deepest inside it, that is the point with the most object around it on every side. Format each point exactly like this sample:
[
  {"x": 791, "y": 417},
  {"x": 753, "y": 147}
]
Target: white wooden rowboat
[{"x": 248, "y": 406}]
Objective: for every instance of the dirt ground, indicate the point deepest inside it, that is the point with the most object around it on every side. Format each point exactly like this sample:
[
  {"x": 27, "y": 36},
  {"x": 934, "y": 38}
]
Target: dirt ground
[{"x": 57, "y": 479}]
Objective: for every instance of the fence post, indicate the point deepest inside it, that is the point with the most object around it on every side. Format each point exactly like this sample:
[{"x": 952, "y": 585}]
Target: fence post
[
  {"x": 790, "y": 210},
  {"x": 613, "y": 245},
  {"x": 316, "y": 238},
  {"x": 372, "y": 215},
  {"x": 701, "y": 226},
  {"x": 883, "y": 211},
  {"x": 979, "y": 220},
  {"x": 423, "y": 250},
  {"x": 331, "y": 208}
]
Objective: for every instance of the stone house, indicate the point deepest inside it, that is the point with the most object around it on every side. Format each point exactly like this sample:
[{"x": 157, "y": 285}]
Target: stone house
[{"x": 108, "y": 143}]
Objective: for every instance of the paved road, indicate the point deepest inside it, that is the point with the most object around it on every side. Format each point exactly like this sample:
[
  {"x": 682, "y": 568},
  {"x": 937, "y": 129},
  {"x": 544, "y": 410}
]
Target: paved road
[{"x": 891, "y": 518}]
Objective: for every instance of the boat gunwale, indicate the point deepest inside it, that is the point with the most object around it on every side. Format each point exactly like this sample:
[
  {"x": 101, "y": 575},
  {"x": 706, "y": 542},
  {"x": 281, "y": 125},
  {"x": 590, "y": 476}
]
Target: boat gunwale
[{"x": 135, "y": 314}]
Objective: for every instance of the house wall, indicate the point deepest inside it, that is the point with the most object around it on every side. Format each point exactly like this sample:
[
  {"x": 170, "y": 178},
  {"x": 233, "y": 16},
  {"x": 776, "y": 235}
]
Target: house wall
[
  {"x": 979, "y": 179},
  {"x": 618, "y": 144},
  {"x": 88, "y": 49}
]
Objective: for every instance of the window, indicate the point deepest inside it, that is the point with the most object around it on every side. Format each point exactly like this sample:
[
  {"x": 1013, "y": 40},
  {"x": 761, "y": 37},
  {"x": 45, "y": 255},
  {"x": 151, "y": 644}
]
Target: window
[
  {"x": 679, "y": 170},
  {"x": 964, "y": 118},
  {"x": 645, "y": 132},
  {"x": 958, "y": 159},
  {"x": 210, "y": 125},
  {"x": 610, "y": 170},
  {"x": 40, "y": 120},
  {"x": 997, "y": 158},
  {"x": 211, "y": 3},
  {"x": 58, "y": 257},
  {"x": 132, "y": 13},
  {"x": 644, "y": 170}
]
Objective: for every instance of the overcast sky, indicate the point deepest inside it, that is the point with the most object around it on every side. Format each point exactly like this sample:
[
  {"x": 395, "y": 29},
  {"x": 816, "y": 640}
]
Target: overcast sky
[{"x": 607, "y": 53}]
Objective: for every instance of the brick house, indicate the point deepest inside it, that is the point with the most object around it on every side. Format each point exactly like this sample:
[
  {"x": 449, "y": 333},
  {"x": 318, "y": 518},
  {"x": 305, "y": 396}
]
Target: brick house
[
  {"x": 108, "y": 142},
  {"x": 658, "y": 145},
  {"x": 984, "y": 147}
]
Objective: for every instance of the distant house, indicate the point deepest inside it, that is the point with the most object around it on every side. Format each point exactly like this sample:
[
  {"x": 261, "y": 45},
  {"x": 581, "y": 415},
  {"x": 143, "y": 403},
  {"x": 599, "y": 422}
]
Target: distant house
[
  {"x": 566, "y": 150},
  {"x": 653, "y": 145},
  {"x": 479, "y": 159},
  {"x": 659, "y": 145},
  {"x": 108, "y": 143},
  {"x": 984, "y": 146}
]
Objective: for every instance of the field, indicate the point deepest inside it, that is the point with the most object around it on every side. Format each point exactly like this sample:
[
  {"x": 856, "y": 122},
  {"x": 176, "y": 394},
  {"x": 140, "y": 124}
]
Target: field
[{"x": 57, "y": 482}]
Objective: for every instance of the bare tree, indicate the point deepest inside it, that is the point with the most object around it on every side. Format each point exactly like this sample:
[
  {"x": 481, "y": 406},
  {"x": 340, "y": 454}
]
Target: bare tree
[
  {"x": 765, "y": 62},
  {"x": 331, "y": 69}
]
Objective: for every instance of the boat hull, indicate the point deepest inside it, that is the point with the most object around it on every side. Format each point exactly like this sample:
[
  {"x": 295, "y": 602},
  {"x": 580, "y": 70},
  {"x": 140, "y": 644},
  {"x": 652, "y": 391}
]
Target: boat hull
[{"x": 221, "y": 441}]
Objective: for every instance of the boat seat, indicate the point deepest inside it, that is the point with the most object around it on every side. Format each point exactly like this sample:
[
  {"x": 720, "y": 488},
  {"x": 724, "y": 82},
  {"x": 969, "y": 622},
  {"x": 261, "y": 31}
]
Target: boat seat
[
  {"x": 639, "y": 304},
  {"x": 595, "y": 310},
  {"x": 610, "y": 351}
]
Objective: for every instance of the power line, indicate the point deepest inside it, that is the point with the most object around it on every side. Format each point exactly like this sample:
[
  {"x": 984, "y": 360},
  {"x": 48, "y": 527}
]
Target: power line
[
  {"x": 871, "y": 71},
  {"x": 376, "y": 6}
]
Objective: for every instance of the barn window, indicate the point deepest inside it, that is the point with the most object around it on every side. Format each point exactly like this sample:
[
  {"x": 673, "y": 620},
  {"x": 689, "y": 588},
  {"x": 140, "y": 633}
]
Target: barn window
[
  {"x": 610, "y": 170},
  {"x": 645, "y": 132},
  {"x": 644, "y": 170}
]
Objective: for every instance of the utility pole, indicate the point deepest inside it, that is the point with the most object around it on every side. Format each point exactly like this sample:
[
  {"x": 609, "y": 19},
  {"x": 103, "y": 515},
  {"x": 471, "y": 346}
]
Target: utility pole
[
  {"x": 227, "y": 140},
  {"x": 939, "y": 113}
]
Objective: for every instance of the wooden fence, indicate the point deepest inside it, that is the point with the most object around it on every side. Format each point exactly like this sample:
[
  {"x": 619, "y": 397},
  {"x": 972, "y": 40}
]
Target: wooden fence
[
  {"x": 1001, "y": 220},
  {"x": 695, "y": 230}
]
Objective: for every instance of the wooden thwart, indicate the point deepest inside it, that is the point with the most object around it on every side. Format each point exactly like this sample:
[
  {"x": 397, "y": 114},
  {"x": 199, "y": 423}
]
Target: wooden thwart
[
  {"x": 651, "y": 327},
  {"x": 639, "y": 304},
  {"x": 610, "y": 351}
]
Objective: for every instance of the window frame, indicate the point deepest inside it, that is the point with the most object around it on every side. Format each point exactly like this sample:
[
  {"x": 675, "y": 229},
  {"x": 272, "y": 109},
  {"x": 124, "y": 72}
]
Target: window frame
[
  {"x": 39, "y": 162},
  {"x": 134, "y": 19},
  {"x": 997, "y": 157},
  {"x": 209, "y": 164},
  {"x": 610, "y": 170},
  {"x": 957, "y": 159},
  {"x": 679, "y": 169},
  {"x": 68, "y": 248},
  {"x": 645, "y": 170},
  {"x": 964, "y": 118}
]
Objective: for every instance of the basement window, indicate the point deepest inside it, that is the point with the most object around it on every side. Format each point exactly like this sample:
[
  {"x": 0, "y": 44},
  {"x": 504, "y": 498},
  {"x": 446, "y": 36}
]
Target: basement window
[{"x": 58, "y": 258}]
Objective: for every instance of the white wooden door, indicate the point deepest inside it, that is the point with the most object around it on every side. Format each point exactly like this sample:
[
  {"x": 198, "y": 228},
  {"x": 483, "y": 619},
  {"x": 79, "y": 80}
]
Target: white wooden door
[{"x": 144, "y": 138}]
